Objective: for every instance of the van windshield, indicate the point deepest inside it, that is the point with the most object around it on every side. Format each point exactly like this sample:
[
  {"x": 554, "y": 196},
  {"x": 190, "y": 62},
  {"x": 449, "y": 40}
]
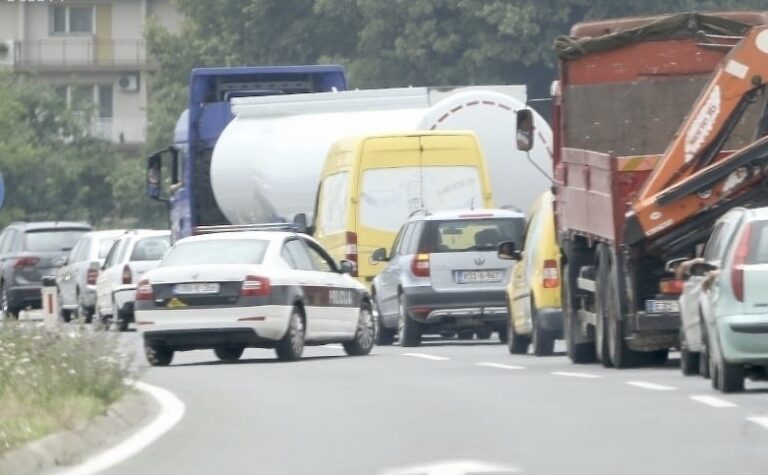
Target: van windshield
[
  {"x": 462, "y": 235},
  {"x": 388, "y": 196}
]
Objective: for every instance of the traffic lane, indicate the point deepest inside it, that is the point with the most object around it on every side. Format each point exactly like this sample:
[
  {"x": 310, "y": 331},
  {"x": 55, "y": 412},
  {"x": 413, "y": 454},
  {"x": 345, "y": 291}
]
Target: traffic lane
[{"x": 334, "y": 414}]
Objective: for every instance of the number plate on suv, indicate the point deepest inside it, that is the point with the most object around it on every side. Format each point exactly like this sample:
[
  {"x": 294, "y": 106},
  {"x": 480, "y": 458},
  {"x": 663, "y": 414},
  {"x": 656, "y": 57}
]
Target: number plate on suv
[
  {"x": 662, "y": 306},
  {"x": 478, "y": 276},
  {"x": 196, "y": 288}
]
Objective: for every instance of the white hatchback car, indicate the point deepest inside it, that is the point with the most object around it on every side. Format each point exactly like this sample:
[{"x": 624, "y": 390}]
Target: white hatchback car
[
  {"x": 133, "y": 254},
  {"x": 228, "y": 291}
]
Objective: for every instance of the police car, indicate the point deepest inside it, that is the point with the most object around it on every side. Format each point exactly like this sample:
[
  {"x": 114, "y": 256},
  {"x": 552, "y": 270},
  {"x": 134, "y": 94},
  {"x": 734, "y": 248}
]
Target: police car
[{"x": 230, "y": 290}]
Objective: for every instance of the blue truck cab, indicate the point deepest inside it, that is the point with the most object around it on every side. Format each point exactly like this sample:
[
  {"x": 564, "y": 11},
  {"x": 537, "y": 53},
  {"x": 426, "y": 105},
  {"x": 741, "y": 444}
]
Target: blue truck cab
[{"x": 188, "y": 190}]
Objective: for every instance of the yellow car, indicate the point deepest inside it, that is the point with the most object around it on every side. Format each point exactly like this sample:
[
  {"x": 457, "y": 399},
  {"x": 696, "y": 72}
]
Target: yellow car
[{"x": 533, "y": 292}]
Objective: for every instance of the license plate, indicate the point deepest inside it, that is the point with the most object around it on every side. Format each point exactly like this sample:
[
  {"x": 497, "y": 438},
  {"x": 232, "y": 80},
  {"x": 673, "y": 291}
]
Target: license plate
[
  {"x": 662, "y": 306},
  {"x": 196, "y": 288},
  {"x": 478, "y": 276}
]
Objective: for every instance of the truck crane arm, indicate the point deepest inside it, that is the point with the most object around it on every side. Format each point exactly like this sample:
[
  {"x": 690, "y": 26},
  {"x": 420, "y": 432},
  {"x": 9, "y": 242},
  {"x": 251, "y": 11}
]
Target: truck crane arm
[{"x": 693, "y": 176}]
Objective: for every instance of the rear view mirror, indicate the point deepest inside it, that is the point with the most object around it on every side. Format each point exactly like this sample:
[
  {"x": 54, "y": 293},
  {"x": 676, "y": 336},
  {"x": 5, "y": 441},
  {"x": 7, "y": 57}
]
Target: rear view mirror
[
  {"x": 300, "y": 220},
  {"x": 508, "y": 251},
  {"x": 60, "y": 261},
  {"x": 524, "y": 130},
  {"x": 154, "y": 176},
  {"x": 379, "y": 255},
  {"x": 700, "y": 269},
  {"x": 346, "y": 267}
]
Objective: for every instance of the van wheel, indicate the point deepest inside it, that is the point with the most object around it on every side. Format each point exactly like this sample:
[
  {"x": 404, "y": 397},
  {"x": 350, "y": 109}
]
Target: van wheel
[
  {"x": 543, "y": 340},
  {"x": 364, "y": 334},
  {"x": 291, "y": 346},
  {"x": 517, "y": 344},
  {"x": 408, "y": 331}
]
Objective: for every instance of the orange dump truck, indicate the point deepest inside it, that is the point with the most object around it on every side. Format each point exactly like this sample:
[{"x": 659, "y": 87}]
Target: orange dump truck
[{"x": 657, "y": 124}]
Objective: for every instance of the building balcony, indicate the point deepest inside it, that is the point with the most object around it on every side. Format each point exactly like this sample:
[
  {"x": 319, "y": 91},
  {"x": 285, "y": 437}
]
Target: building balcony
[{"x": 76, "y": 54}]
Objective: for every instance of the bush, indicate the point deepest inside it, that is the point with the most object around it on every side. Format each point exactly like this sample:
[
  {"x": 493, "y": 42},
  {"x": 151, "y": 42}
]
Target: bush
[{"x": 55, "y": 379}]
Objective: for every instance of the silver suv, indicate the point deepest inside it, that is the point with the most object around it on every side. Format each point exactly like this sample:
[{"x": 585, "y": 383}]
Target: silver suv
[{"x": 444, "y": 275}]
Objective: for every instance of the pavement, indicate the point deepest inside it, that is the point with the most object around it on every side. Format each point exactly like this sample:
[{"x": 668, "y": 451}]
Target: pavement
[{"x": 447, "y": 407}]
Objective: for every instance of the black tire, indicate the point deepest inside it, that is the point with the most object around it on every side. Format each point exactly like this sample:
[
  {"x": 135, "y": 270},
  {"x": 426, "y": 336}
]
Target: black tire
[
  {"x": 465, "y": 335},
  {"x": 384, "y": 336},
  {"x": 83, "y": 313},
  {"x": 484, "y": 334},
  {"x": 689, "y": 360},
  {"x": 291, "y": 346},
  {"x": 578, "y": 353},
  {"x": 503, "y": 335},
  {"x": 543, "y": 341},
  {"x": 121, "y": 320},
  {"x": 9, "y": 311},
  {"x": 158, "y": 355},
  {"x": 229, "y": 353},
  {"x": 365, "y": 334},
  {"x": 704, "y": 356},
  {"x": 517, "y": 344},
  {"x": 408, "y": 331},
  {"x": 618, "y": 352},
  {"x": 64, "y": 315},
  {"x": 654, "y": 358},
  {"x": 602, "y": 351},
  {"x": 730, "y": 377}
]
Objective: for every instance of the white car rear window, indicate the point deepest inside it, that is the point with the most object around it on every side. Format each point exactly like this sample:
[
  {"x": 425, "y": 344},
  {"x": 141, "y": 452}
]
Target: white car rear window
[{"x": 218, "y": 251}]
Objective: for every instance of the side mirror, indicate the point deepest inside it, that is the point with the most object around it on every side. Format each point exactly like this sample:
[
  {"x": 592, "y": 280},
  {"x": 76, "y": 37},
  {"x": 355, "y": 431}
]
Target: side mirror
[
  {"x": 379, "y": 255},
  {"x": 346, "y": 267},
  {"x": 96, "y": 265},
  {"x": 524, "y": 130},
  {"x": 154, "y": 176},
  {"x": 300, "y": 220},
  {"x": 60, "y": 261},
  {"x": 508, "y": 251},
  {"x": 700, "y": 269}
]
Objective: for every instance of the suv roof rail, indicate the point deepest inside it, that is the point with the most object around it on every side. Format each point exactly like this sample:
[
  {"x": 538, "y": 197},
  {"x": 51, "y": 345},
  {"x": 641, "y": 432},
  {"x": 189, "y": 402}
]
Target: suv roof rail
[
  {"x": 247, "y": 227},
  {"x": 424, "y": 212}
]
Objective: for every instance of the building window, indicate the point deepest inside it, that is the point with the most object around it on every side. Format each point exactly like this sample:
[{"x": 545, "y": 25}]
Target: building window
[
  {"x": 72, "y": 19},
  {"x": 96, "y": 98}
]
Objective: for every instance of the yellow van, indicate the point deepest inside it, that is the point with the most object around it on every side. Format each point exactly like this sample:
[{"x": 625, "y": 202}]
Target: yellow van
[
  {"x": 533, "y": 292},
  {"x": 371, "y": 185}
]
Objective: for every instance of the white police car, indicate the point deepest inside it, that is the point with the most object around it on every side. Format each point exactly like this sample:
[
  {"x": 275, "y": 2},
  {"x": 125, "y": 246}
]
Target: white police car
[{"x": 251, "y": 289}]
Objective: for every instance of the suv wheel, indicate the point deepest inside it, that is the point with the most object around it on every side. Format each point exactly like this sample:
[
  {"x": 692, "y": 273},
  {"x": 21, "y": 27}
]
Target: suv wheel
[
  {"x": 384, "y": 336},
  {"x": 408, "y": 331}
]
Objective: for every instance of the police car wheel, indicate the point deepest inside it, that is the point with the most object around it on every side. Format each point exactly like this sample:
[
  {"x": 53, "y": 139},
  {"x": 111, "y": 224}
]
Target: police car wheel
[
  {"x": 291, "y": 346},
  {"x": 365, "y": 334}
]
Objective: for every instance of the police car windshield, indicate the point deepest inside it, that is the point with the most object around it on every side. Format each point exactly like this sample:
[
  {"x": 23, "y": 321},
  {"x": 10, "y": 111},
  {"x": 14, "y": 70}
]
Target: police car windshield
[{"x": 219, "y": 251}]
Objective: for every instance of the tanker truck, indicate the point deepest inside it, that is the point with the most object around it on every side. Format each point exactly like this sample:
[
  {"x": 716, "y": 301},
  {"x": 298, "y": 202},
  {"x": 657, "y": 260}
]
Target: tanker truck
[
  {"x": 190, "y": 198},
  {"x": 267, "y": 163}
]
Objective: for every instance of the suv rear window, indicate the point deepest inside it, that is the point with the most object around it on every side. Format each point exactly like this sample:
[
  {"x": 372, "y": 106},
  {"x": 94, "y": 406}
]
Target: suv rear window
[
  {"x": 461, "y": 235},
  {"x": 52, "y": 240},
  {"x": 150, "y": 248}
]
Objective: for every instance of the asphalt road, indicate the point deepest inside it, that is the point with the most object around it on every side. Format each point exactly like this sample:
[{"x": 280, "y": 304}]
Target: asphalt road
[{"x": 456, "y": 407}]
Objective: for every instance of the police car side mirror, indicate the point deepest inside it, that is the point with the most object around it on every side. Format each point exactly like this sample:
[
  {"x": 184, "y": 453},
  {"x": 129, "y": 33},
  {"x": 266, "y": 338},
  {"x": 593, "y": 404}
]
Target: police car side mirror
[
  {"x": 346, "y": 267},
  {"x": 507, "y": 251},
  {"x": 379, "y": 255}
]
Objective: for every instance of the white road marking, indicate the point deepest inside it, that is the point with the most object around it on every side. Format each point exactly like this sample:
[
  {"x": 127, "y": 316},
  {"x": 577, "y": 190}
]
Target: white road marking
[
  {"x": 334, "y": 347},
  {"x": 171, "y": 411},
  {"x": 713, "y": 401},
  {"x": 452, "y": 467},
  {"x": 761, "y": 421},
  {"x": 651, "y": 386},
  {"x": 427, "y": 357},
  {"x": 575, "y": 375},
  {"x": 500, "y": 366}
]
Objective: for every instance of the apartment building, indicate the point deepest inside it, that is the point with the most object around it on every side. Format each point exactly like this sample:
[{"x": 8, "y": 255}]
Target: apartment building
[{"x": 92, "y": 52}]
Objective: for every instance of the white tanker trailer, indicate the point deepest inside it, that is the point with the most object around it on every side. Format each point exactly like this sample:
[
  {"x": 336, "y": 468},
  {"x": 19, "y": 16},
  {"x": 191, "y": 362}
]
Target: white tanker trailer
[{"x": 266, "y": 164}]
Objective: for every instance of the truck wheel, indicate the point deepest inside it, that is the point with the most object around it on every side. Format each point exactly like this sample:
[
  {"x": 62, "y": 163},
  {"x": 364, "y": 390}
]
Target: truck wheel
[
  {"x": 229, "y": 353},
  {"x": 518, "y": 344},
  {"x": 602, "y": 350},
  {"x": 689, "y": 360},
  {"x": 291, "y": 346},
  {"x": 578, "y": 353},
  {"x": 408, "y": 331},
  {"x": 484, "y": 334},
  {"x": 365, "y": 334},
  {"x": 620, "y": 355},
  {"x": 158, "y": 355},
  {"x": 466, "y": 335}
]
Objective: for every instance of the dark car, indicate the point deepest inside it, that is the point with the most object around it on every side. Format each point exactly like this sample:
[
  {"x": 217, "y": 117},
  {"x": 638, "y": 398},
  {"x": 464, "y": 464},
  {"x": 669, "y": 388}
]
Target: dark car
[{"x": 29, "y": 252}]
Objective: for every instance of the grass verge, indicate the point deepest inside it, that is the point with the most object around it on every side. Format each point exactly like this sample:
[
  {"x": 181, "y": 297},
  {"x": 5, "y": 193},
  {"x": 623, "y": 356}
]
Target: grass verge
[{"x": 53, "y": 379}]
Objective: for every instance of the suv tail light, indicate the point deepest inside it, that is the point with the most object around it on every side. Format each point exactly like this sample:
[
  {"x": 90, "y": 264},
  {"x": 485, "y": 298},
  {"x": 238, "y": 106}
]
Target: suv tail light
[
  {"x": 420, "y": 265},
  {"x": 92, "y": 276},
  {"x": 551, "y": 276},
  {"x": 254, "y": 286},
  {"x": 28, "y": 261},
  {"x": 350, "y": 250},
  {"x": 739, "y": 259},
  {"x": 671, "y": 286},
  {"x": 144, "y": 290},
  {"x": 127, "y": 275}
]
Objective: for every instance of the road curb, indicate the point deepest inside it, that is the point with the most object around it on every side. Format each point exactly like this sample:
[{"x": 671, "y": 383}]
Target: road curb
[{"x": 74, "y": 446}]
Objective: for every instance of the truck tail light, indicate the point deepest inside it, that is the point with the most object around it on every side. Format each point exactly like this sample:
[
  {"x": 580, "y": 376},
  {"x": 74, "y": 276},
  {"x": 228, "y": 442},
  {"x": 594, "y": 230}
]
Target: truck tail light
[
  {"x": 350, "y": 250},
  {"x": 127, "y": 275},
  {"x": 255, "y": 286},
  {"x": 92, "y": 275},
  {"x": 551, "y": 274},
  {"x": 671, "y": 286},
  {"x": 420, "y": 265},
  {"x": 28, "y": 261},
  {"x": 739, "y": 259},
  {"x": 144, "y": 290}
]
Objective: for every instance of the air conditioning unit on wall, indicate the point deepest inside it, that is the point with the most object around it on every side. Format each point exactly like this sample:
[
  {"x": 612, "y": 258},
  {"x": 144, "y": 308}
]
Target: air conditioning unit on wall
[
  {"x": 128, "y": 82},
  {"x": 7, "y": 53}
]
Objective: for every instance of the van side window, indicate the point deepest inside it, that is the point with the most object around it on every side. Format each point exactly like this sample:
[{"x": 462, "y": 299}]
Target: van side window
[{"x": 333, "y": 204}]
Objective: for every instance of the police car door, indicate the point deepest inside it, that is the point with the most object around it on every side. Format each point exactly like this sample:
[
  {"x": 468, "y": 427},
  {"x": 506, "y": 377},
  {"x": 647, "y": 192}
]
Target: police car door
[
  {"x": 339, "y": 298},
  {"x": 303, "y": 274}
]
